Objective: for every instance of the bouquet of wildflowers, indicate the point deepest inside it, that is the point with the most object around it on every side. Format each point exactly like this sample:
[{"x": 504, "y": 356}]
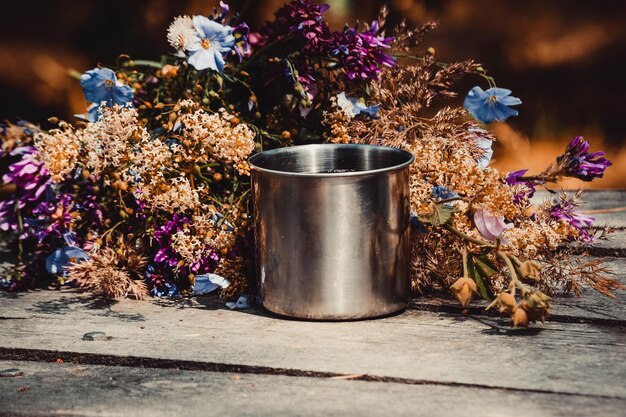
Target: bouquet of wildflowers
[{"x": 148, "y": 192}]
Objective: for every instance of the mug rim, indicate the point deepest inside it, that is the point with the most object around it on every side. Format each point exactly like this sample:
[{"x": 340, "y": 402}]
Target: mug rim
[{"x": 254, "y": 166}]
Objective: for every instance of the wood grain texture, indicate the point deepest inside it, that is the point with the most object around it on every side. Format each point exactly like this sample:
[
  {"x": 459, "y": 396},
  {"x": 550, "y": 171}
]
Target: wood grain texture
[
  {"x": 585, "y": 358},
  {"x": 76, "y": 390}
]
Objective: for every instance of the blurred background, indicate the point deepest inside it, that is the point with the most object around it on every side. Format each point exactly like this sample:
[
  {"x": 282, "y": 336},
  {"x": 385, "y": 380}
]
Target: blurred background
[{"x": 565, "y": 59}]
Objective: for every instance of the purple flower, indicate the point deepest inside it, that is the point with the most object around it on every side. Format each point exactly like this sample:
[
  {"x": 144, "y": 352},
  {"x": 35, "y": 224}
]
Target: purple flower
[
  {"x": 525, "y": 188},
  {"x": 490, "y": 105},
  {"x": 32, "y": 181},
  {"x": 361, "y": 55},
  {"x": 167, "y": 256},
  {"x": 491, "y": 227},
  {"x": 577, "y": 162},
  {"x": 566, "y": 211},
  {"x": 304, "y": 19},
  {"x": 158, "y": 284}
]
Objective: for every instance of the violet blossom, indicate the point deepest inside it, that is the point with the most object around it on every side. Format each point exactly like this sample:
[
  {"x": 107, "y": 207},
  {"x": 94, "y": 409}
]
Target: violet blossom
[
  {"x": 302, "y": 18},
  {"x": 577, "y": 162},
  {"x": 566, "y": 211},
  {"x": 361, "y": 55},
  {"x": 525, "y": 188},
  {"x": 168, "y": 257},
  {"x": 32, "y": 181}
]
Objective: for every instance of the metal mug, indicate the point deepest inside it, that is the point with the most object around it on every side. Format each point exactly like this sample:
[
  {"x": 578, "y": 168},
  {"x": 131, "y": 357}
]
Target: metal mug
[{"x": 332, "y": 230}]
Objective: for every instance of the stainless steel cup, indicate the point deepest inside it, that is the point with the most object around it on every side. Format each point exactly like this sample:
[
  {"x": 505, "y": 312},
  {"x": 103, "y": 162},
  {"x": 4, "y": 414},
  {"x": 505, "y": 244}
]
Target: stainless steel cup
[{"x": 332, "y": 230}]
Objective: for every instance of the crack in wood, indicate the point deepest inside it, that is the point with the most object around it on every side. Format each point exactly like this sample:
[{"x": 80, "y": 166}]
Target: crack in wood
[{"x": 41, "y": 355}]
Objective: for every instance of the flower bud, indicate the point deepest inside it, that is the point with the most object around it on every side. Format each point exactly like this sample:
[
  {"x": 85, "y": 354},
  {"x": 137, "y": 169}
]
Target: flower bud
[
  {"x": 537, "y": 306},
  {"x": 520, "y": 318},
  {"x": 464, "y": 289},
  {"x": 506, "y": 303},
  {"x": 530, "y": 270}
]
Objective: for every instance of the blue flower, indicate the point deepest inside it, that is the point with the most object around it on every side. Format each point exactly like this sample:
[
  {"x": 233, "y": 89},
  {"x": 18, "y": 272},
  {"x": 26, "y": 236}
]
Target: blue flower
[
  {"x": 212, "y": 41},
  {"x": 490, "y": 105},
  {"x": 58, "y": 260},
  {"x": 417, "y": 225},
  {"x": 355, "y": 106},
  {"x": 101, "y": 85},
  {"x": 207, "y": 283},
  {"x": 441, "y": 192}
]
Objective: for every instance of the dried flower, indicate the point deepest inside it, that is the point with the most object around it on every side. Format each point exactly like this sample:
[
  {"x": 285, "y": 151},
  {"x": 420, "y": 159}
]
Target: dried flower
[
  {"x": 181, "y": 33},
  {"x": 31, "y": 179},
  {"x": 60, "y": 259},
  {"x": 536, "y": 305},
  {"x": 506, "y": 303},
  {"x": 578, "y": 223},
  {"x": 353, "y": 106},
  {"x": 464, "y": 289},
  {"x": 520, "y": 318},
  {"x": 361, "y": 54},
  {"x": 302, "y": 18},
  {"x": 530, "y": 270}
]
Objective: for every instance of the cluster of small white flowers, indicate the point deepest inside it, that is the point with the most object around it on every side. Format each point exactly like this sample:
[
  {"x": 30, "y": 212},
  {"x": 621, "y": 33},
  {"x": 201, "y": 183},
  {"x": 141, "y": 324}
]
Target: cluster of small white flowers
[
  {"x": 59, "y": 150},
  {"x": 178, "y": 195},
  {"x": 150, "y": 159},
  {"x": 188, "y": 245},
  {"x": 181, "y": 32},
  {"x": 107, "y": 142},
  {"x": 218, "y": 235},
  {"x": 220, "y": 135}
]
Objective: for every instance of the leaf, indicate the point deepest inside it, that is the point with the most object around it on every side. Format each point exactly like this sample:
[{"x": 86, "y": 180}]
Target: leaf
[
  {"x": 486, "y": 265},
  {"x": 439, "y": 216},
  {"x": 483, "y": 285}
]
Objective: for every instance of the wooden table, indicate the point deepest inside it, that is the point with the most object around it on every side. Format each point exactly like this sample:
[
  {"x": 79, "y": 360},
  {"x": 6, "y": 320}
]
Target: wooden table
[{"x": 199, "y": 358}]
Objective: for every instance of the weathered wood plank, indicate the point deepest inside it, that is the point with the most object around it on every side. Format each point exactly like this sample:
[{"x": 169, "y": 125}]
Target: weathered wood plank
[
  {"x": 80, "y": 390},
  {"x": 576, "y": 358}
]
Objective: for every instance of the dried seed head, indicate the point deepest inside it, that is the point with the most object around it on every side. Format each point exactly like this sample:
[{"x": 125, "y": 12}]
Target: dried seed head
[
  {"x": 506, "y": 303},
  {"x": 464, "y": 289},
  {"x": 520, "y": 318}
]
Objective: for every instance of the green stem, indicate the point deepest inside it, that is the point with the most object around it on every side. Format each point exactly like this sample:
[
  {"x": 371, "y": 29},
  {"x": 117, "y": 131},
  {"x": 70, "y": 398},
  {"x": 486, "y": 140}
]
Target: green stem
[
  {"x": 465, "y": 268},
  {"x": 468, "y": 237},
  {"x": 511, "y": 268},
  {"x": 143, "y": 63},
  {"x": 108, "y": 232}
]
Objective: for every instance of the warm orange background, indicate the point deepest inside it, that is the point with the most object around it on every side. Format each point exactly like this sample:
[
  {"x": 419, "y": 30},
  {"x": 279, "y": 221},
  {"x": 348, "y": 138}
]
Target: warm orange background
[{"x": 565, "y": 59}]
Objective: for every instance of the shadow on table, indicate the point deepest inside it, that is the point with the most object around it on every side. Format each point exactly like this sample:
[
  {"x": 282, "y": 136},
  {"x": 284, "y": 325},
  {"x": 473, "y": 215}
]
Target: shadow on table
[
  {"x": 72, "y": 299},
  {"x": 502, "y": 327}
]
